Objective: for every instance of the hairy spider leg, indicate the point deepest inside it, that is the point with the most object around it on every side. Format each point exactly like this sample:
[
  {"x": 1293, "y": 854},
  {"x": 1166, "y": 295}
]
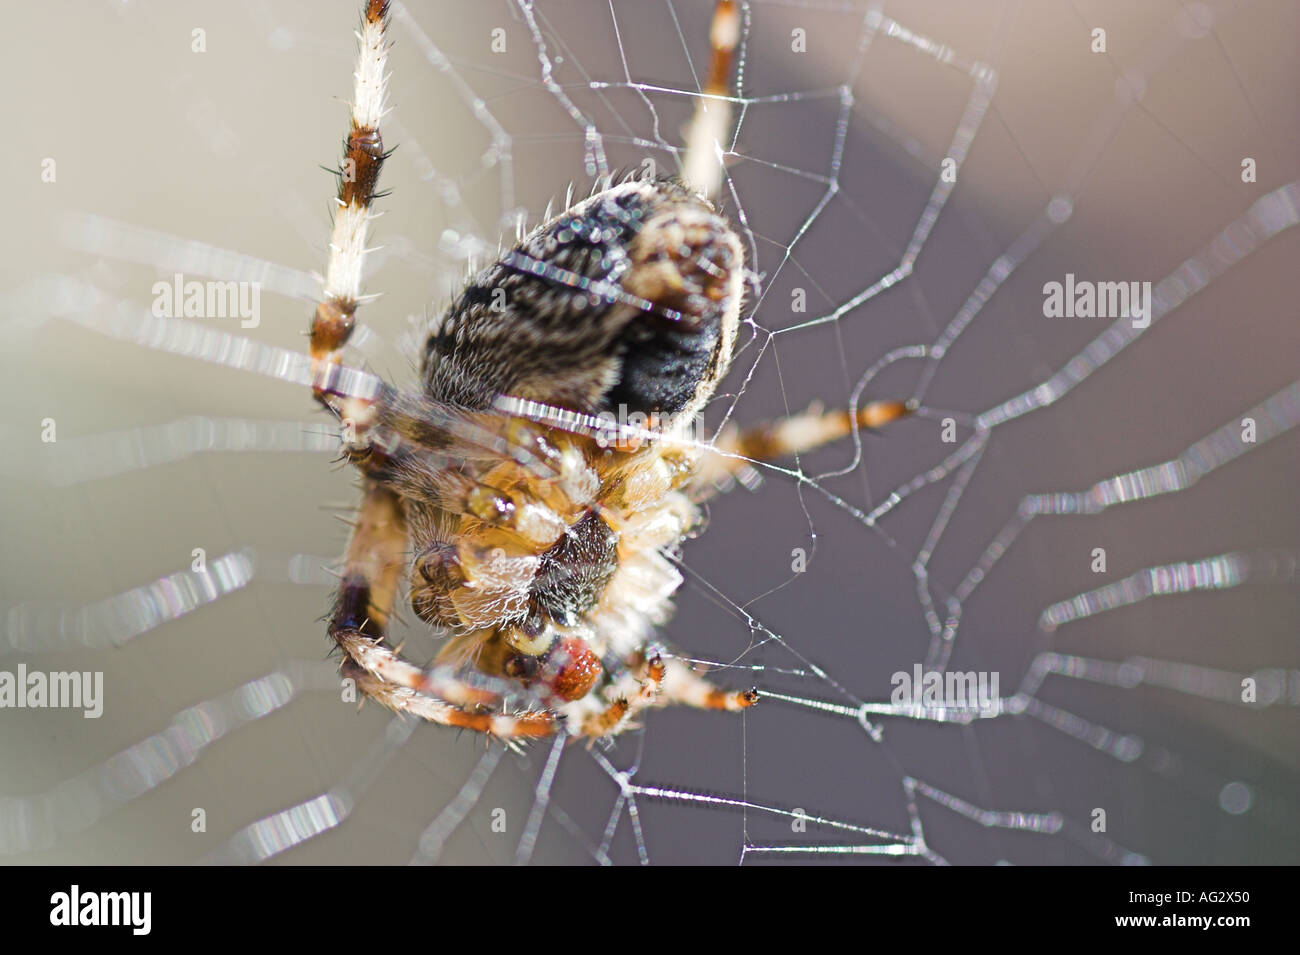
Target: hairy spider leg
[
  {"x": 736, "y": 447},
  {"x": 363, "y": 158},
  {"x": 709, "y": 130}
]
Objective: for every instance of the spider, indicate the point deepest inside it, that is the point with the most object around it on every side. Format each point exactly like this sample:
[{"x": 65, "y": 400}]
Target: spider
[{"x": 533, "y": 532}]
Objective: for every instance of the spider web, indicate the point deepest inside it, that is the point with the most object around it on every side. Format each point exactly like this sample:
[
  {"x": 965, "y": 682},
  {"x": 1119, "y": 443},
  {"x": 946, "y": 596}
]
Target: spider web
[{"x": 963, "y": 538}]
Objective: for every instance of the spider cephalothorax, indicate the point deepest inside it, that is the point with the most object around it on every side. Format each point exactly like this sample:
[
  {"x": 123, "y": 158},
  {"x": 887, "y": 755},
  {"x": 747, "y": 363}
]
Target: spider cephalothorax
[{"x": 535, "y": 532}]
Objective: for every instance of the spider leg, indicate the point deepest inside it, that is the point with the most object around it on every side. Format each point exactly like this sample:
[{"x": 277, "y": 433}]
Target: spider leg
[
  {"x": 375, "y": 559},
  {"x": 384, "y": 664},
  {"x": 681, "y": 684},
  {"x": 364, "y": 155},
  {"x": 504, "y": 726},
  {"x": 392, "y": 434},
  {"x": 662, "y": 682},
  {"x": 710, "y": 128},
  {"x": 736, "y": 448}
]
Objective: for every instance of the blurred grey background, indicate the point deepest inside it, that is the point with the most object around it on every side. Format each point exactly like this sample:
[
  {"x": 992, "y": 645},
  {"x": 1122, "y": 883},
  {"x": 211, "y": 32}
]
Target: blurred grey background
[{"x": 153, "y": 140}]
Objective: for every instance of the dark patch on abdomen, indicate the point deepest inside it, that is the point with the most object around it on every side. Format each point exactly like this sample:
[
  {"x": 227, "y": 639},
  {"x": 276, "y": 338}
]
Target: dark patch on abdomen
[
  {"x": 575, "y": 571},
  {"x": 662, "y": 368}
]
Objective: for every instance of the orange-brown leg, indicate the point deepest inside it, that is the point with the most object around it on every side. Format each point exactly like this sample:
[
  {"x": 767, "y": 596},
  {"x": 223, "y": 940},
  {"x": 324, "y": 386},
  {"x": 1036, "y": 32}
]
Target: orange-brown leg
[
  {"x": 710, "y": 127},
  {"x": 736, "y": 448},
  {"x": 681, "y": 684}
]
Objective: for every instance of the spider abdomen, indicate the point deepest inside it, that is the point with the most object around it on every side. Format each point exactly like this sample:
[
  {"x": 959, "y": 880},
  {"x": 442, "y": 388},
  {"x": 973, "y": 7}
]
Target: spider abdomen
[{"x": 627, "y": 302}]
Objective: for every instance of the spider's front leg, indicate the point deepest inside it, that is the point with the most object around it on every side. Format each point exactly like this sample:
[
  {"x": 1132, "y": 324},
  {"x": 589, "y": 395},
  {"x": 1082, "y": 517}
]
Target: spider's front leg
[
  {"x": 335, "y": 316},
  {"x": 358, "y": 175}
]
